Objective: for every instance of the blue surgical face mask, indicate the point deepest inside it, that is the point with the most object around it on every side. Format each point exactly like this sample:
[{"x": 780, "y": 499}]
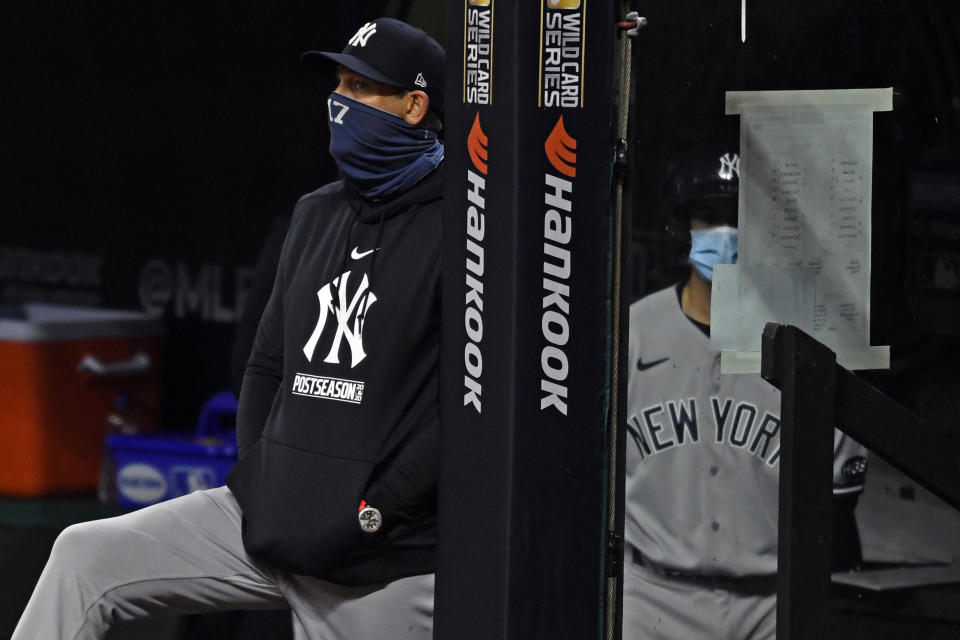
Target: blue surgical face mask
[
  {"x": 377, "y": 152},
  {"x": 708, "y": 247}
]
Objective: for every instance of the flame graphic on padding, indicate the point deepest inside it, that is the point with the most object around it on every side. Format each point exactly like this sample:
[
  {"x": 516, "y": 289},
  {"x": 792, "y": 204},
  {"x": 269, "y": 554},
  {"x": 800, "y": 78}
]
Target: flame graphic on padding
[
  {"x": 561, "y": 150},
  {"x": 477, "y": 146}
]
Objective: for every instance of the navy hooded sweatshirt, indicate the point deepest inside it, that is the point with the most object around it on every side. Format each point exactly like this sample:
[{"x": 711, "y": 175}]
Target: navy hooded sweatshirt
[{"x": 339, "y": 401}]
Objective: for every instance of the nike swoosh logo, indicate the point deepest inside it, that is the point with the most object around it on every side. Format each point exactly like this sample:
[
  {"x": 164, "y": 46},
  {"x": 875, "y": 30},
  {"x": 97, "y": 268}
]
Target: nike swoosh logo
[
  {"x": 356, "y": 254},
  {"x": 643, "y": 366}
]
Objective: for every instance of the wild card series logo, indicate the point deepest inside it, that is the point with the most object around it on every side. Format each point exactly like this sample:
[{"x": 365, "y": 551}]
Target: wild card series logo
[
  {"x": 478, "y": 52},
  {"x": 562, "y": 53}
]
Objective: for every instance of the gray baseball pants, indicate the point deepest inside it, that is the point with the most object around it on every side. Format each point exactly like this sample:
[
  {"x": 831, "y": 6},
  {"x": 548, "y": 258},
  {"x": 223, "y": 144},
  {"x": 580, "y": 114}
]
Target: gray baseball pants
[{"x": 186, "y": 556}]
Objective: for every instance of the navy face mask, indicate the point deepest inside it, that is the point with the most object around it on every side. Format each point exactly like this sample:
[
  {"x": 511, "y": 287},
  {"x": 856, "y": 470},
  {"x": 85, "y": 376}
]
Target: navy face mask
[{"x": 377, "y": 152}]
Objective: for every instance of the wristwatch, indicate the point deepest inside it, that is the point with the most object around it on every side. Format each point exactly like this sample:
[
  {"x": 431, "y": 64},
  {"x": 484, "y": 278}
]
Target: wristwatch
[{"x": 370, "y": 518}]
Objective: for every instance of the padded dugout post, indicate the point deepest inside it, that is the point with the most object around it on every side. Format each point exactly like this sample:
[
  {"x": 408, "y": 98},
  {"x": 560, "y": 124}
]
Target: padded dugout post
[
  {"x": 526, "y": 318},
  {"x": 804, "y": 371}
]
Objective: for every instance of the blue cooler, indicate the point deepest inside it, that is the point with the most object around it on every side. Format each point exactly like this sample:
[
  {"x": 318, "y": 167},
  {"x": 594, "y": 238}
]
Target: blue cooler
[{"x": 143, "y": 469}]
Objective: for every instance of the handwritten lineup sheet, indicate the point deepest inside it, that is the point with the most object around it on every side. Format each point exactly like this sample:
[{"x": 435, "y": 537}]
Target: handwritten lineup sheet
[{"x": 806, "y": 165}]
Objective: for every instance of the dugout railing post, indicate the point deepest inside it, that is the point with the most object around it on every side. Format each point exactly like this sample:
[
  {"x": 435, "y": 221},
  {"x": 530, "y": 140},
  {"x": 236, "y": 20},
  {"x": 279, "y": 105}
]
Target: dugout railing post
[
  {"x": 803, "y": 370},
  {"x": 817, "y": 395}
]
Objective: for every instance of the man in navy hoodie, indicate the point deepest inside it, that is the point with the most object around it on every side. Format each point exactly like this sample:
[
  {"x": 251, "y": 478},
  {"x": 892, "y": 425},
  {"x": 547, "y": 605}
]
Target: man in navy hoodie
[{"x": 331, "y": 509}]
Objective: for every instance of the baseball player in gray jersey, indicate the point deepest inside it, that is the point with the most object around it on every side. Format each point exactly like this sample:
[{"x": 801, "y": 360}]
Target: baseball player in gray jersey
[{"x": 703, "y": 452}]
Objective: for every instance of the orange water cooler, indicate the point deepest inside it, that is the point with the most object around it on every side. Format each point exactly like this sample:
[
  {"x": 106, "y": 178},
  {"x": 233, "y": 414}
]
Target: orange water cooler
[{"x": 62, "y": 371}]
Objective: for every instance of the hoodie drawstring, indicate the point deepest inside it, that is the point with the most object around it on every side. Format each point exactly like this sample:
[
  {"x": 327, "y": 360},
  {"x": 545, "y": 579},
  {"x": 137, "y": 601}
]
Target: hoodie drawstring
[
  {"x": 345, "y": 253},
  {"x": 373, "y": 265}
]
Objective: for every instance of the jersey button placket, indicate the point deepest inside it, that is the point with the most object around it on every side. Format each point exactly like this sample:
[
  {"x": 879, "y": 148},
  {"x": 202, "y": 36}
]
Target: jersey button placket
[{"x": 713, "y": 383}]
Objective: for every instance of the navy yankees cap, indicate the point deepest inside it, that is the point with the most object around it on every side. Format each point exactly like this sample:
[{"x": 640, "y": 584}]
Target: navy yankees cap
[
  {"x": 705, "y": 181},
  {"x": 392, "y": 52}
]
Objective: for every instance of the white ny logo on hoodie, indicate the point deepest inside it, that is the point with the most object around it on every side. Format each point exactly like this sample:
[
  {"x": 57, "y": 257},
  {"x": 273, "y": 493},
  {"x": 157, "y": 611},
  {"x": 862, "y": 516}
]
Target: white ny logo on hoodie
[{"x": 349, "y": 316}]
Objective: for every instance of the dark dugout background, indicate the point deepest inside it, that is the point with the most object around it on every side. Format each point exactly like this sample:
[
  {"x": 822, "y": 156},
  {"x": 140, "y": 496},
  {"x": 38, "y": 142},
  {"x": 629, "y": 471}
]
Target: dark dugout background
[
  {"x": 147, "y": 148},
  {"x": 691, "y": 54},
  {"x": 684, "y": 61},
  {"x": 172, "y": 134}
]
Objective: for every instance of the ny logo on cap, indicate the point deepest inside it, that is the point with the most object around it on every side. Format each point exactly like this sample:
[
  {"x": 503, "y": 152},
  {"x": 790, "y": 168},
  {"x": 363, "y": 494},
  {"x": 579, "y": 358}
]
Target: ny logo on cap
[
  {"x": 363, "y": 34},
  {"x": 729, "y": 165}
]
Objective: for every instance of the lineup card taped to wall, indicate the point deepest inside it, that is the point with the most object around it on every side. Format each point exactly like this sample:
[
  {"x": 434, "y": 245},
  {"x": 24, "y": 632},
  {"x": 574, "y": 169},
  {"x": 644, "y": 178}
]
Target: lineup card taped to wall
[{"x": 806, "y": 163}]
